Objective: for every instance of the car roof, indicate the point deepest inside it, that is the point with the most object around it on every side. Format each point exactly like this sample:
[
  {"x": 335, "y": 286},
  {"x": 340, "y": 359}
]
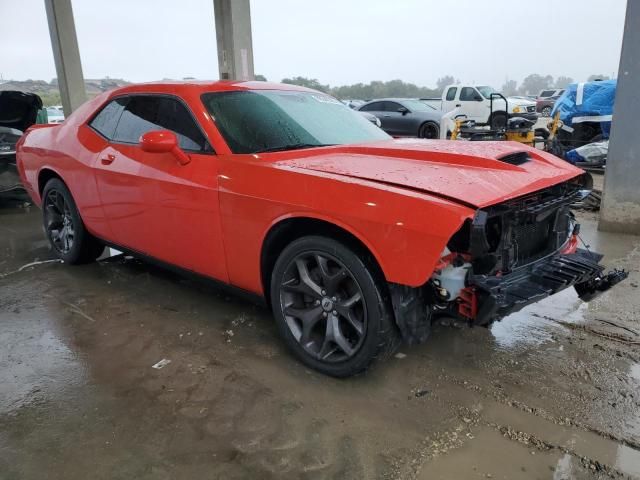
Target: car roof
[{"x": 204, "y": 86}]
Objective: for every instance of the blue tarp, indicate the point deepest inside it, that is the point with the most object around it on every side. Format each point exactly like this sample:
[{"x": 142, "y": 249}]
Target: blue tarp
[{"x": 587, "y": 102}]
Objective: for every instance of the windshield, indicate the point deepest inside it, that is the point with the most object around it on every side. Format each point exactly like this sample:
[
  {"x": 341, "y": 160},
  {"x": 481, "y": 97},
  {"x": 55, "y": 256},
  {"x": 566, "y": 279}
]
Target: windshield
[
  {"x": 417, "y": 106},
  {"x": 487, "y": 91},
  {"x": 271, "y": 120}
]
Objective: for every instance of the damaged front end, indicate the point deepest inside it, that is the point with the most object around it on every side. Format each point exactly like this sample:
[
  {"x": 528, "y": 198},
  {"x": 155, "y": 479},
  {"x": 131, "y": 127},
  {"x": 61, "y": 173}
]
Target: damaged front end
[{"x": 508, "y": 256}]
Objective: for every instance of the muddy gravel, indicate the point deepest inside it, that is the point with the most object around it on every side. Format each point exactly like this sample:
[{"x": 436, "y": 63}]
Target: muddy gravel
[{"x": 120, "y": 370}]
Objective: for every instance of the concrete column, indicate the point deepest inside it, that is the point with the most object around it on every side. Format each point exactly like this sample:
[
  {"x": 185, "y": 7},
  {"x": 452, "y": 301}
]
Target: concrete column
[
  {"x": 620, "y": 210},
  {"x": 66, "y": 54},
  {"x": 233, "y": 34}
]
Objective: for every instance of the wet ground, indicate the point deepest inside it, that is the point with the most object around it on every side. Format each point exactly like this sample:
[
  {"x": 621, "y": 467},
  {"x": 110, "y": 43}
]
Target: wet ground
[{"x": 552, "y": 392}]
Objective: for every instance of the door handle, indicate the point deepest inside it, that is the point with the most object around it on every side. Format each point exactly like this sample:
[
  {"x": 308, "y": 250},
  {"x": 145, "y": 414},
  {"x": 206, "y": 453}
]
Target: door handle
[
  {"x": 458, "y": 105},
  {"x": 108, "y": 160}
]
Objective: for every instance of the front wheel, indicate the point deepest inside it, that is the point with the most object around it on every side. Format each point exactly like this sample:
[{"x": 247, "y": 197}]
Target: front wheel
[
  {"x": 64, "y": 228},
  {"x": 546, "y": 112},
  {"x": 331, "y": 307}
]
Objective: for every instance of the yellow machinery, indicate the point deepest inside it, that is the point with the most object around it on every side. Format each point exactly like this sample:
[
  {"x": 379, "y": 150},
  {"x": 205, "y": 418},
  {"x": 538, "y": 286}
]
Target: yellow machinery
[{"x": 516, "y": 129}]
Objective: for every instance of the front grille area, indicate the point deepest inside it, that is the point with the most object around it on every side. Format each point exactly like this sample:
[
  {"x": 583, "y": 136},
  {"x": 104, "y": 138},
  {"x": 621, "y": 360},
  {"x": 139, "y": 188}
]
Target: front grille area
[
  {"x": 532, "y": 240},
  {"x": 511, "y": 235}
]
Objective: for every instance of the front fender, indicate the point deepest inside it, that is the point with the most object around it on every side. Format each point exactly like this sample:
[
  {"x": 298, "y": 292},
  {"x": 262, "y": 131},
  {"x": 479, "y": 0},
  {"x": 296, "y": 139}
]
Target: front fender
[{"x": 405, "y": 230}]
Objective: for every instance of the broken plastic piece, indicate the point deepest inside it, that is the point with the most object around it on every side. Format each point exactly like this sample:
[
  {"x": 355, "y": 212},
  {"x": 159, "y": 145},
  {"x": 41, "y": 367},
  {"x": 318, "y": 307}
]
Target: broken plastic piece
[
  {"x": 593, "y": 288},
  {"x": 161, "y": 364}
]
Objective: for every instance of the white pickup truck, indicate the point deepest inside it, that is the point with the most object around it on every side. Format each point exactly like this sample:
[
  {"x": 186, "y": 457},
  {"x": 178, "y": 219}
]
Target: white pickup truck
[{"x": 474, "y": 101}]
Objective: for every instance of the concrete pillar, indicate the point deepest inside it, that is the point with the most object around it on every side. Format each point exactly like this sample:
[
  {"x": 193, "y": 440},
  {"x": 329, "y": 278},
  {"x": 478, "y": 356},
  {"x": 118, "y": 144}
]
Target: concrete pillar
[
  {"x": 233, "y": 34},
  {"x": 620, "y": 210},
  {"x": 66, "y": 54}
]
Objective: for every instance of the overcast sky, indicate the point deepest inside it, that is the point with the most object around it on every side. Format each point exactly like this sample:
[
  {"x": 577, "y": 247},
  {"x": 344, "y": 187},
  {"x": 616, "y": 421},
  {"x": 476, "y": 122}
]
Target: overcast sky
[{"x": 336, "y": 41}]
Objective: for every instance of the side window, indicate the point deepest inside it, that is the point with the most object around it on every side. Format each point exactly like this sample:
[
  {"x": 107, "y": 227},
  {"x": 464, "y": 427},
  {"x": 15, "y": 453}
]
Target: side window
[
  {"x": 105, "y": 122},
  {"x": 148, "y": 112},
  {"x": 468, "y": 94},
  {"x": 451, "y": 93},
  {"x": 547, "y": 93},
  {"x": 391, "y": 106},
  {"x": 373, "y": 107},
  {"x": 174, "y": 116}
]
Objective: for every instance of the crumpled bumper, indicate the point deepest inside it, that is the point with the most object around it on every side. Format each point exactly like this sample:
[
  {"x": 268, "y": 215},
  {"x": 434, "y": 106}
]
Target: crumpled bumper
[{"x": 498, "y": 296}]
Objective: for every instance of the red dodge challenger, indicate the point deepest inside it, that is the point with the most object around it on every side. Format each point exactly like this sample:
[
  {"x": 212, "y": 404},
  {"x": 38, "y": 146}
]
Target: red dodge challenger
[{"x": 354, "y": 239}]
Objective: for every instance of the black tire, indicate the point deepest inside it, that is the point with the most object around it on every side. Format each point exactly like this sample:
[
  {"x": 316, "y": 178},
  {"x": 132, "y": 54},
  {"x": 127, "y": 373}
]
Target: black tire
[
  {"x": 429, "y": 130},
  {"x": 498, "y": 121},
  {"x": 366, "y": 325},
  {"x": 64, "y": 228},
  {"x": 546, "y": 112}
]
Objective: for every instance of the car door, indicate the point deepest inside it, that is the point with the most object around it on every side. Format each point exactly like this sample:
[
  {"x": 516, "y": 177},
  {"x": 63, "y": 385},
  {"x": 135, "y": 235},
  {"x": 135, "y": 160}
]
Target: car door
[
  {"x": 474, "y": 105},
  {"x": 153, "y": 204},
  {"x": 395, "y": 122}
]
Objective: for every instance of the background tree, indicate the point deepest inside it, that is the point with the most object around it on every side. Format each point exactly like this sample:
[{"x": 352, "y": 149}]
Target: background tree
[
  {"x": 597, "y": 77},
  {"x": 533, "y": 83},
  {"x": 378, "y": 89},
  {"x": 510, "y": 87},
  {"x": 307, "y": 82},
  {"x": 563, "y": 82},
  {"x": 261, "y": 78},
  {"x": 444, "y": 81}
]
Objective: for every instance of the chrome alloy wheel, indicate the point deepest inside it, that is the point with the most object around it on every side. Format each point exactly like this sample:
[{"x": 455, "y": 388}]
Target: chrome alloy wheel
[
  {"x": 59, "y": 222},
  {"x": 323, "y": 307}
]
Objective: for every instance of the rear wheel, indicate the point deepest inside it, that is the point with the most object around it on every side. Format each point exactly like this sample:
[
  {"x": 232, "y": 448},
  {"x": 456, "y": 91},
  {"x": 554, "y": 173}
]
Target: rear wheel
[
  {"x": 430, "y": 130},
  {"x": 331, "y": 307},
  {"x": 64, "y": 228}
]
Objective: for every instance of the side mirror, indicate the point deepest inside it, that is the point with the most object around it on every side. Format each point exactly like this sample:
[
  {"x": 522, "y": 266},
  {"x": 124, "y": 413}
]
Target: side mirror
[
  {"x": 163, "y": 141},
  {"x": 478, "y": 98},
  {"x": 403, "y": 110}
]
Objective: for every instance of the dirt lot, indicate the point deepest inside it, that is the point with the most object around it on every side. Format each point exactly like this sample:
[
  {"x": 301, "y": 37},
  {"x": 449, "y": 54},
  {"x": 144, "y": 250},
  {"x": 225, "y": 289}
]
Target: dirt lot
[{"x": 552, "y": 392}]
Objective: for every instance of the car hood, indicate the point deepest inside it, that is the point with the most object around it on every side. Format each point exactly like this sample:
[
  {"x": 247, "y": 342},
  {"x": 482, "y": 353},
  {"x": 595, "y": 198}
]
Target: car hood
[
  {"x": 521, "y": 101},
  {"x": 476, "y": 174},
  {"x": 18, "y": 110}
]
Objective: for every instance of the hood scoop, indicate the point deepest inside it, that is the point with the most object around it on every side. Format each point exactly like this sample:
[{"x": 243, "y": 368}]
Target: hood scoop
[{"x": 516, "y": 158}]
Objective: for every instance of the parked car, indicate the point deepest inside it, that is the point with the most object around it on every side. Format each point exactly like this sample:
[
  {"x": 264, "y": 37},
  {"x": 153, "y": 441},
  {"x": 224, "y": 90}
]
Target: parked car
[
  {"x": 546, "y": 99},
  {"x": 55, "y": 115},
  {"x": 354, "y": 239},
  {"x": 405, "y": 117},
  {"x": 18, "y": 111},
  {"x": 475, "y": 102},
  {"x": 544, "y": 106},
  {"x": 355, "y": 104},
  {"x": 549, "y": 93}
]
